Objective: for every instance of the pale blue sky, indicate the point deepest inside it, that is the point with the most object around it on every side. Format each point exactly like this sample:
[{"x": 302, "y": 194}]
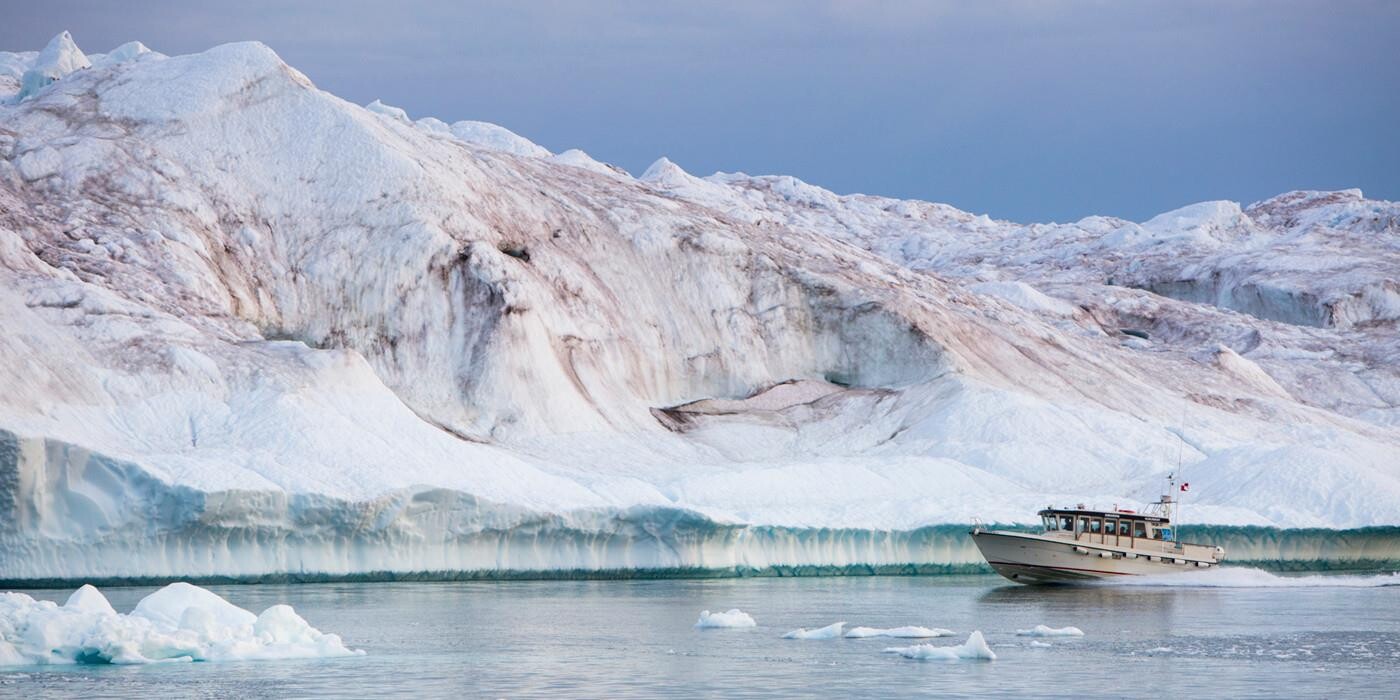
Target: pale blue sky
[{"x": 1040, "y": 110}]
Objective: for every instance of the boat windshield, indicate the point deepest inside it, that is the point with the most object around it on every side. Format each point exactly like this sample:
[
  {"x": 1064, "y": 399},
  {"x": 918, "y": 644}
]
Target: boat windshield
[{"x": 1050, "y": 524}]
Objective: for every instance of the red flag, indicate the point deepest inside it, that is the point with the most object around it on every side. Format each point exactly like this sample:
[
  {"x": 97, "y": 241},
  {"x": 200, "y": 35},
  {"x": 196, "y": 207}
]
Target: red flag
[{"x": 1186, "y": 487}]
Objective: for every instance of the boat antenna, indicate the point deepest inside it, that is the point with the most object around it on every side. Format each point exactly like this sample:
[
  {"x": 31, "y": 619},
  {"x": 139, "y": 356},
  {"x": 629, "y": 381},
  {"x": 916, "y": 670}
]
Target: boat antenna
[{"x": 1180, "y": 447}]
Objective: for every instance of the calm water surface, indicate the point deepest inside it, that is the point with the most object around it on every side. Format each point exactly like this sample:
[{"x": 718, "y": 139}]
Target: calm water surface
[{"x": 635, "y": 639}]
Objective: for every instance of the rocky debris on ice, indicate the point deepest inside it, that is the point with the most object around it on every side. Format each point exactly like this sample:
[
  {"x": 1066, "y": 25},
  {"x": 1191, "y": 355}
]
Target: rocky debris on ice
[
  {"x": 831, "y": 631},
  {"x": 974, "y": 649},
  {"x": 909, "y": 632},
  {"x": 179, "y": 622},
  {"x": 733, "y": 618},
  {"x": 1047, "y": 631}
]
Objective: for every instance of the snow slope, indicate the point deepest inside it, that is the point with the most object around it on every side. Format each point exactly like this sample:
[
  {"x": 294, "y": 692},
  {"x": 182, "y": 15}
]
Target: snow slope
[{"x": 252, "y": 328}]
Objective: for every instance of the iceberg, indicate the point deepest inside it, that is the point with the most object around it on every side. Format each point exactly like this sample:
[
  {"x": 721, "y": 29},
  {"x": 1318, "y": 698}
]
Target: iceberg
[
  {"x": 974, "y": 649},
  {"x": 911, "y": 632},
  {"x": 831, "y": 631},
  {"x": 728, "y": 619},
  {"x": 1047, "y": 631},
  {"x": 547, "y": 372},
  {"x": 180, "y": 622}
]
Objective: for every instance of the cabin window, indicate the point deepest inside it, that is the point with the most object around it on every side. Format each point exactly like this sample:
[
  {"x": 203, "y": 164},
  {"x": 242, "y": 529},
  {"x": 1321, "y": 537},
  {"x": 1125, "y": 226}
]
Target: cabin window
[
  {"x": 1095, "y": 526},
  {"x": 1049, "y": 521},
  {"x": 1139, "y": 529},
  {"x": 1080, "y": 525},
  {"x": 1123, "y": 528},
  {"x": 1110, "y": 526},
  {"x": 1066, "y": 523}
]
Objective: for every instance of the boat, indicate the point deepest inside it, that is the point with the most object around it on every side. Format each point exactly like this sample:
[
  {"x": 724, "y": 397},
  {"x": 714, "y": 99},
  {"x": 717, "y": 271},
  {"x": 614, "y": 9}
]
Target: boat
[{"x": 1083, "y": 544}]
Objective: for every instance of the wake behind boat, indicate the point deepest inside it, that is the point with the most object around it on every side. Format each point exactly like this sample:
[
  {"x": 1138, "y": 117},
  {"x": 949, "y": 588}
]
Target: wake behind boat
[{"x": 1078, "y": 544}]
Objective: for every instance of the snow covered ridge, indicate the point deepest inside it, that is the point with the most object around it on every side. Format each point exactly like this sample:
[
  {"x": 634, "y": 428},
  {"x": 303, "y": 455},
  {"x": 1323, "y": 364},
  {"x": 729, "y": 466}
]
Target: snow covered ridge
[
  {"x": 177, "y": 623},
  {"x": 255, "y": 329}
]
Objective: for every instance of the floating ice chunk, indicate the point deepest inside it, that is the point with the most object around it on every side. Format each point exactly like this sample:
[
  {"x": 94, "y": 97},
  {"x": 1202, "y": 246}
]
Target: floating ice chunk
[
  {"x": 1037, "y": 644},
  {"x": 974, "y": 649},
  {"x": 732, "y": 618},
  {"x": 910, "y": 632},
  {"x": 59, "y": 58},
  {"x": 169, "y": 605},
  {"x": 89, "y": 599},
  {"x": 831, "y": 631},
  {"x": 180, "y": 622},
  {"x": 284, "y": 634},
  {"x": 1046, "y": 631}
]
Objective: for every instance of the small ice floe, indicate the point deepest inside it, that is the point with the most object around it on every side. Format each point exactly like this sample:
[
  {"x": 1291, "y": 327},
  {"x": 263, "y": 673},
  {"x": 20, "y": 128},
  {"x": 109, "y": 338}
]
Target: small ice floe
[
  {"x": 974, "y": 649},
  {"x": 728, "y": 619},
  {"x": 831, "y": 631},
  {"x": 1036, "y": 644},
  {"x": 180, "y": 622},
  {"x": 1045, "y": 631},
  {"x": 910, "y": 632}
]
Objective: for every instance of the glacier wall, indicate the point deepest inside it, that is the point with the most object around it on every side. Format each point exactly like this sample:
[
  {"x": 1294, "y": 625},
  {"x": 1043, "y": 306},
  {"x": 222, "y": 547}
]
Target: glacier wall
[
  {"x": 70, "y": 514},
  {"x": 252, "y": 329}
]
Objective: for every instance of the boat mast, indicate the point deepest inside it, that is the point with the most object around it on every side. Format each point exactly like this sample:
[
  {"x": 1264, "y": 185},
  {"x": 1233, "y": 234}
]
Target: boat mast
[{"x": 1180, "y": 447}]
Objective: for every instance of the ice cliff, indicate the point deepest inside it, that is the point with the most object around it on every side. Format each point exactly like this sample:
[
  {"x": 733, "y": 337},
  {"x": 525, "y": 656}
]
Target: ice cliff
[{"x": 253, "y": 329}]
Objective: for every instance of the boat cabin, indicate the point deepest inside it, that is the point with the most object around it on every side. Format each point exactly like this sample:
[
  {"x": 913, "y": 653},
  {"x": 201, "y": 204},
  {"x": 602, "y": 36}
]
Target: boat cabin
[{"x": 1107, "y": 526}]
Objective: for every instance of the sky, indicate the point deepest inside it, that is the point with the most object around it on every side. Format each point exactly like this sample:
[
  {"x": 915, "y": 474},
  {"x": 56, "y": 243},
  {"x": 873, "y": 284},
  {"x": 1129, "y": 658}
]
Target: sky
[{"x": 1030, "y": 111}]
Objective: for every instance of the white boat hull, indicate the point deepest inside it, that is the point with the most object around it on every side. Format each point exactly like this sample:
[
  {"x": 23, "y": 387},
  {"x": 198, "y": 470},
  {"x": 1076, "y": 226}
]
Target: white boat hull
[{"x": 1031, "y": 558}]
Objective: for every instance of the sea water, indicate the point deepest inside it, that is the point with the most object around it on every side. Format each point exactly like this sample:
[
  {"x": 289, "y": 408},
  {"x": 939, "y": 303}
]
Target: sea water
[{"x": 1237, "y": 634}]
